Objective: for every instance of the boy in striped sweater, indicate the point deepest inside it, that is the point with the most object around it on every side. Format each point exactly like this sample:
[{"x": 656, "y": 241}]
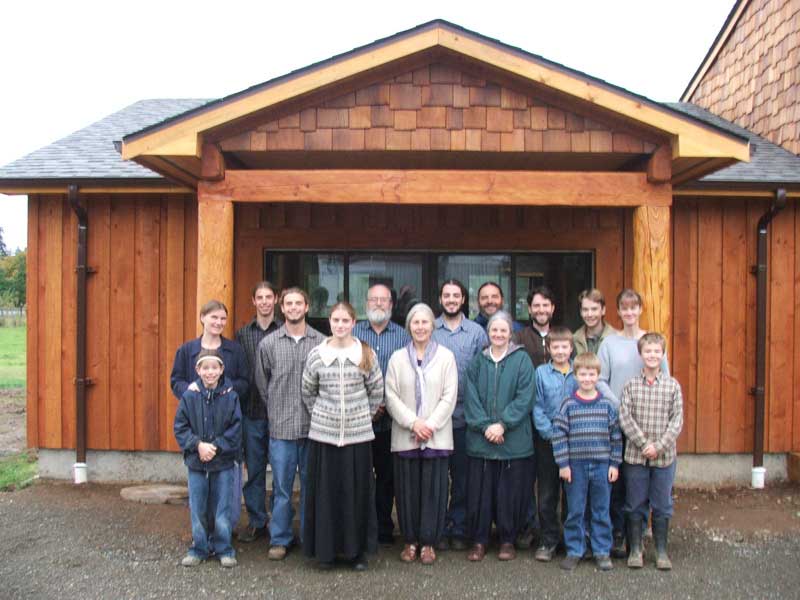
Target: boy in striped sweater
[{"x": 587, "y": 447}]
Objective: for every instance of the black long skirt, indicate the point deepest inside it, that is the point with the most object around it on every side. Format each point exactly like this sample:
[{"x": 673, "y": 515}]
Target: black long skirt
[
  {"x": 420, "y": 487},
  {"x": 499, "y": 491},
  {"x": 340, "y": 518}
]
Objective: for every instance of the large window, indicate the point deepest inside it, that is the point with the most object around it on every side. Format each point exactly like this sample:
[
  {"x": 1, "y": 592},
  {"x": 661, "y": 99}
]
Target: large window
[{"x": 413, "y": 277}]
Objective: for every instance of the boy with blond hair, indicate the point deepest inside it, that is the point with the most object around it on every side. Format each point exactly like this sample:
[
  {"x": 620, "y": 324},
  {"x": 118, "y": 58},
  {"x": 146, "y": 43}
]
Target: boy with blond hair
[
  {"x": 651, "y": 415},
  {"x": 587, "y": 446}
]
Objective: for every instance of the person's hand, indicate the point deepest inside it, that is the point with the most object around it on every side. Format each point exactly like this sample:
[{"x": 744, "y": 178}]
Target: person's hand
[
  {"x": 193, "y": 387},
  {"x": 380, "y": 412},
  {"x": 613, "y": 474},
  {"x": 206, "y": 451},
  {"x": 494, "y": 433},
  {"x": 650, "y": 451},
  {"x": 566, "y": 474},
  {"x": 421, "y": 430}
]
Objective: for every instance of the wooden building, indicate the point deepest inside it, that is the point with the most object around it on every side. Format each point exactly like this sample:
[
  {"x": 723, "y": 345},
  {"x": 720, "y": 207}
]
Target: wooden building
[{"x": 434, "y": 153}]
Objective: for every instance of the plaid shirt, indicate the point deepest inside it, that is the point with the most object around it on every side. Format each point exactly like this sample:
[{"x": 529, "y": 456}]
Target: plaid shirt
[
  {"x": 651, "y": 413},
  {"x": 279, "y": 377},
  {"x": 250, "y": 337}
]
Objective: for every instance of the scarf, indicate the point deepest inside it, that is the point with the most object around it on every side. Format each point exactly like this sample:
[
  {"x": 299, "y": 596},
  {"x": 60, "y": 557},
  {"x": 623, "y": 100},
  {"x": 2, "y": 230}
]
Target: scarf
[{"x": 419, "y": 371}]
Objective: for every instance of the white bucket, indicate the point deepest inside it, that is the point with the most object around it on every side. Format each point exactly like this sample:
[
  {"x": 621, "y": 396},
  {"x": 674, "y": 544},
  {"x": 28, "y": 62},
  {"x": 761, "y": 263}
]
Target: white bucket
[
  {"x": 757, "y": 478},
  {"x": 79, "y": 473}
]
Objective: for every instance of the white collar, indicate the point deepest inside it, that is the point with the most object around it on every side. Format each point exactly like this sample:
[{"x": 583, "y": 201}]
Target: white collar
[{"x": 328, "y": 354}]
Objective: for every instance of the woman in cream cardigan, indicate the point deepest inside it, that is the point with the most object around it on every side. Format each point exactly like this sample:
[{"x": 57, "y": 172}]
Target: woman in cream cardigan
[{"x": 421, "y": 389}]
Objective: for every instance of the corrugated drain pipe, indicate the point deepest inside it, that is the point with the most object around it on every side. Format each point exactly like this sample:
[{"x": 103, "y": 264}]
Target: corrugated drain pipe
[
  {"x": 760, "y": 270},
  {"x": 79, "y": 469}
]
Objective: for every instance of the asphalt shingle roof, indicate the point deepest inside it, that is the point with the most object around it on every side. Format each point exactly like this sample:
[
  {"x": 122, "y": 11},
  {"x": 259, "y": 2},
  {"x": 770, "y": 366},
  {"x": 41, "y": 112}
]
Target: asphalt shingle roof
[
  {"x": 90, "y": 152},
  {"x": 769, "y": 163}
]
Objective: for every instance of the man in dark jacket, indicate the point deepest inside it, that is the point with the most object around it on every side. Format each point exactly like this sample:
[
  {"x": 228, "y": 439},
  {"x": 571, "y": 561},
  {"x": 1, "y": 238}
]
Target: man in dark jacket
[{"x": 207, "y": 427}]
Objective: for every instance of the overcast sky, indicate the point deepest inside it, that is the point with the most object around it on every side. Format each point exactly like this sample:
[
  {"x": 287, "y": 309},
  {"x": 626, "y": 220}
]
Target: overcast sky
[{"x": 66, "y": 65}]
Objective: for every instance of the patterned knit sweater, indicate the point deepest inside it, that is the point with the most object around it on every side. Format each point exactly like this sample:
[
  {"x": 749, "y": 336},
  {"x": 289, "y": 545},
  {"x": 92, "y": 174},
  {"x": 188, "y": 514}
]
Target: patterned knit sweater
[
  {"x": 341, "y": 397},
  {"x": 587, "y": 430}
]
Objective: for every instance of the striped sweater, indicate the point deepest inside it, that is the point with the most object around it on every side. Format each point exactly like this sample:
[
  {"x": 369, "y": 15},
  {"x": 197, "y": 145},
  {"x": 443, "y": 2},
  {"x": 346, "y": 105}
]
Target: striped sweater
[
  {"x": 586, "y": 430},
  {"x": 341, "y": 397}
]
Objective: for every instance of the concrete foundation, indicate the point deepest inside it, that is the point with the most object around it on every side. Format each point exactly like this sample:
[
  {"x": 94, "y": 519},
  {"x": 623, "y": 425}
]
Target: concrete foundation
[{"x": 694, "y": 470}]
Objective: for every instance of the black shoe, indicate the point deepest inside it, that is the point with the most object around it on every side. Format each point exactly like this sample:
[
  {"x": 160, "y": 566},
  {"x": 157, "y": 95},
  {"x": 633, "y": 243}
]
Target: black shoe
[
  {"x": 570, "y": 562},
  {"x": 444, "y": 544},
  {"x": 458, "y": 543},
  {"x": 360, "y": 563},
  {"x": 618, "y": 549},
  {"x": 525, "y": 538},
  {"x": 251, "y": 534},
  {"x": 386, "y": 539}
]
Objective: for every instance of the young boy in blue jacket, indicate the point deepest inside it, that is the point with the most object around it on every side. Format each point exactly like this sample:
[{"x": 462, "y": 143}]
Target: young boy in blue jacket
[
  {"x": 554, "y": 382},
  {"x": 207, "y": 427}
]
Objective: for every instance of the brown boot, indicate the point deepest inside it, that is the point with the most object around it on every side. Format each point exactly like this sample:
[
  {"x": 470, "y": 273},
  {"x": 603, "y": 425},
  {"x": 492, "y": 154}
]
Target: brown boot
[
  {"x": 507, "y": 552},
  {"x": 427, "y": 556},
  {"x": 477, "y": 553},
  {"x": 409, "y": 553}
]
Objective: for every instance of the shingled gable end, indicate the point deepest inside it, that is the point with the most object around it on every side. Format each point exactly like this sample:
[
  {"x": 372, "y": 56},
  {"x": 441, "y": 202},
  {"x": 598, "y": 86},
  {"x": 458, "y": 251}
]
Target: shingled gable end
[{"x": 433, "y": 144}]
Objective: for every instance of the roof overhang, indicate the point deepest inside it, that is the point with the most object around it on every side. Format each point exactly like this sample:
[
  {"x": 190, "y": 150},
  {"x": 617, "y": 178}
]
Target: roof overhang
[{"x": 179, "y": 140}]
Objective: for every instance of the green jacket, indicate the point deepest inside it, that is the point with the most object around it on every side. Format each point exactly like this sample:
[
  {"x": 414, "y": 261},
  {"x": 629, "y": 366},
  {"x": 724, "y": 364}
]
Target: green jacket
[{"x": 500, "y": 392}]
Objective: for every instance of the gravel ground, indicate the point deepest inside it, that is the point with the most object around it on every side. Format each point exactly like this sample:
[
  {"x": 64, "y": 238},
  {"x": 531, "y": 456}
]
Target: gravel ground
[{"x": 62, "y": 541}]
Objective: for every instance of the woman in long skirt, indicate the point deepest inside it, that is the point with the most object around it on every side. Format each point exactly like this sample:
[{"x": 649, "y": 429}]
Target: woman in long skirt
[
  {"x": 421, "y": 390},
  {"x": 497, "y": 407},
  {"x": 342, "y": 389}
]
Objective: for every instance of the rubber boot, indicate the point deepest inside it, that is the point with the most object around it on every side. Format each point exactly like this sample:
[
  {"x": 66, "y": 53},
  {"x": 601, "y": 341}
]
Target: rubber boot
[
  {"x": 660, "y": 533},
  {"x": 635, "y": 559}
]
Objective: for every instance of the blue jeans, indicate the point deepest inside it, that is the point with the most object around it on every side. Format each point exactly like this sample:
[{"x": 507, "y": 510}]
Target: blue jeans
[
  {"x": 286, "y": 457},
  {"x": 210, "y": 493},
  {"x": 255, "y": 438},
  {"x": 588, "y": 477},
  {"x": 457, "y": 512},
  {"x": 649, "y": 488}
]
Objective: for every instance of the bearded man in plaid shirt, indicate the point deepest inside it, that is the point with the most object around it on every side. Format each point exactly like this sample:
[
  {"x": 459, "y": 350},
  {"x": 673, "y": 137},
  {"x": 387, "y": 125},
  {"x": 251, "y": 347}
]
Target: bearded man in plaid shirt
[{"x": 651, "y": 415}]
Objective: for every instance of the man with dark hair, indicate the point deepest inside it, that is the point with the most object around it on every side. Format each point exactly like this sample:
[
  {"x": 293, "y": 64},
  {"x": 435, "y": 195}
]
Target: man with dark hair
[
  {"x": 464, "y": 338},
  {"x": 490, "y": 300},
  {"x": 255, "y": 432},
  {"x": 384, "y": 337}
]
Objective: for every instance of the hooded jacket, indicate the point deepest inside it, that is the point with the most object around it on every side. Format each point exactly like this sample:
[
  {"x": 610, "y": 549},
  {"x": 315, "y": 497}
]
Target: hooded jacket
[
  {"x": 211, "y": 416},
  {"x": 500, "y": 392}
]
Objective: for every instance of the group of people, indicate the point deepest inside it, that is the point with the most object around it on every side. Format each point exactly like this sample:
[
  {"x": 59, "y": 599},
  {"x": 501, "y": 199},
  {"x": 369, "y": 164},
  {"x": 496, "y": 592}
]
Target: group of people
[{"x": 460, "y": 425}]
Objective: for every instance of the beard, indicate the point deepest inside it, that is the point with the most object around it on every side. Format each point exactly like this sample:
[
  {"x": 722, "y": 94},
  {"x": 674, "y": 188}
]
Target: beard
[
  {"x": 378, "y": 316},
  {"x": 451, "y": 314},
  {"x": 295, "y": 321},
  {"x": 541, "y": 323}
]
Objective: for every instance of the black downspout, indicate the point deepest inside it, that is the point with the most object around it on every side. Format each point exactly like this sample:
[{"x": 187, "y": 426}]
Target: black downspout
[
  {"x": 760, "y": 271},
  {"x": 80, "y": 359}
]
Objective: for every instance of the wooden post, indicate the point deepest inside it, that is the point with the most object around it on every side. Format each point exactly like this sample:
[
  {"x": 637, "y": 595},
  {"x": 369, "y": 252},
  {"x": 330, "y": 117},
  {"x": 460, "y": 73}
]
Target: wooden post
[
  {"x": 652, "y": 272},
  {"x": 215, "y": 254}
]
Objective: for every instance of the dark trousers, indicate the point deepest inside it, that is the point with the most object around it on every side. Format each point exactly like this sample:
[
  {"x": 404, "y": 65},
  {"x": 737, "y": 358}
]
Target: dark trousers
[
  {"x": 499, "y": 491},
  {"x": 457, "y": 513},
  {"x": 618, "y": 492},
  {"x": 255, "y": 439},
  {"x": 549, "y": 487},
  {"x": 384, "y": 481},
  {"x": 421, "y": 498},
  {"x": 649, "y": 488}
]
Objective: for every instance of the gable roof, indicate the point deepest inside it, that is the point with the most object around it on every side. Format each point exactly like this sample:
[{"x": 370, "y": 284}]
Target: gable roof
[
  {"x": 719, "y": 43},
  {"x": 90, "y": 153},
  {"x": 182, "y": 136},
  {"x": 769, "y": 164}
]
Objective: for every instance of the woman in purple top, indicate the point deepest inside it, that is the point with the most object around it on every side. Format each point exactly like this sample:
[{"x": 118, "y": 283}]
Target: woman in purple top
[{"x": 421, "y": 390}]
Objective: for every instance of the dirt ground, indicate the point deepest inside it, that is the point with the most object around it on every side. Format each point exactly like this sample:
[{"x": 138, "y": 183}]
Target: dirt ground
[{"x": 12, "y": 421}]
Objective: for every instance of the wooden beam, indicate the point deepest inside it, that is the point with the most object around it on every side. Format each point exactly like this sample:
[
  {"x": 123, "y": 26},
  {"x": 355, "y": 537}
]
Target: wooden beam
[
  {"x": 652, "y": 272},
  {"x": 215, "y": 255},
  {"x": 659, "y": 165},
  {"x": 531, "y": 188},
  {"x": 213, "y": 163}
]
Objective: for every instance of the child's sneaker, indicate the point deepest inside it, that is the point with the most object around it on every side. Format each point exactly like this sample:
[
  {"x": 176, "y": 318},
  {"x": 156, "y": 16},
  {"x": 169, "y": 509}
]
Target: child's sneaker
[
  {"x": 570, "y": 562},
  {"x": 603, "y": 562},
  {"x": 190, "y": 560},
  {"x": 227, "y": 561}
]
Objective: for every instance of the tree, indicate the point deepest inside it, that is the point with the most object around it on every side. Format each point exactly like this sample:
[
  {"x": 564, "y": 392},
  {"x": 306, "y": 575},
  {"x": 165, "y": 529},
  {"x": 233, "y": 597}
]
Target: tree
[
  {"x": 3, "y": 249},
  {"x": 12, "y": 278}
]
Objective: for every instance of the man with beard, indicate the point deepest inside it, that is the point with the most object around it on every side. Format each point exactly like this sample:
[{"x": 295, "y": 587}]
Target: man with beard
[
  {"x": 255, "y": 433},
  {"x": 541, "y": 306},
  {"x": 279, "y": 372},
  {"x": 490, "y": 300},
  {"x": 465, "y": 339},
  {"x": 589, "y": 336},
  {"x": 384, "y": 337}
]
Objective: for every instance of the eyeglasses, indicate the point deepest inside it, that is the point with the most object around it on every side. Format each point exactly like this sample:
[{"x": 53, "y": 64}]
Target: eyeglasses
[{"x": 378, "y": 300}]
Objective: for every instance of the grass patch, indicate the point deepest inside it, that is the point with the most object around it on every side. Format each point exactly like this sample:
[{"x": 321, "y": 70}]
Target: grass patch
[
  {"x": 12, "y": 357},
  {"x": 17, "y": 471}
]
